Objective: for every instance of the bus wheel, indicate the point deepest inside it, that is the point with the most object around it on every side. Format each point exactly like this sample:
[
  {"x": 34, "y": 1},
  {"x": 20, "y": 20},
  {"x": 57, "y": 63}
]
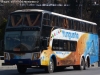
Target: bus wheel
[
  {"x": 82, "y": 66},
  {"x": 86, "y": 65},
  {"x": 21, "y": 68},
  {"x": 50, "y": 67}
]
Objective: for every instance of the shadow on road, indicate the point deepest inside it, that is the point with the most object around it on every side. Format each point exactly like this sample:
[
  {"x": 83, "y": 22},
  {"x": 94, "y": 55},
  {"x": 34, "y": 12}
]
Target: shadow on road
[{"x": 31, "y": 71}]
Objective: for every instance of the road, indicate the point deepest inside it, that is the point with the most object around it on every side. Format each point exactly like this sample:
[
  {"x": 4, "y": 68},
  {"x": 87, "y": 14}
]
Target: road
[{"x": 69, "y": 71}]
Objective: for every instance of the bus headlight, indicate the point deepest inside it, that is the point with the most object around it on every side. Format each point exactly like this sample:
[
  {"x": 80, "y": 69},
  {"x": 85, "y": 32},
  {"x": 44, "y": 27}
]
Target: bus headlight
[
  {"x": 35, "y": 56},
  {"x": 6, "y": 56}
]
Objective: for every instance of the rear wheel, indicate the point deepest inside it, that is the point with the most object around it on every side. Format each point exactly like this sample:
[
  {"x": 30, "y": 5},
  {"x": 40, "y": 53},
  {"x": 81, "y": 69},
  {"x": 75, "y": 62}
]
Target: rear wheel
[
  {"x": 50, "y": 67},
  {"x": 87, "y": 64},
  {"x": 21, "y": 68},
  {"x": 81, "y": 66}
]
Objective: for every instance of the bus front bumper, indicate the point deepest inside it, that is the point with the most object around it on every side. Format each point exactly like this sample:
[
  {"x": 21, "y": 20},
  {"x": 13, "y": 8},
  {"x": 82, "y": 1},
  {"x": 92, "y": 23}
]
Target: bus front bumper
[{"x": 21, "y": 62}]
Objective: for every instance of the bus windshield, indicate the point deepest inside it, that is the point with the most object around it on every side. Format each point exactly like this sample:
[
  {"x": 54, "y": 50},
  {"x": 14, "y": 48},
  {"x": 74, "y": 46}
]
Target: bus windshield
[
  {"x": 24, "y": 19},
  {"x": 22, "y": 41}
]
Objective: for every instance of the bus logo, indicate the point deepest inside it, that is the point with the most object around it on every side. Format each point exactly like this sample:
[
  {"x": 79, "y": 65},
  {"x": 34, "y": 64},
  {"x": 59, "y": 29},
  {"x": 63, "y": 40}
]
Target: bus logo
[{"x": 70, "y": 35}]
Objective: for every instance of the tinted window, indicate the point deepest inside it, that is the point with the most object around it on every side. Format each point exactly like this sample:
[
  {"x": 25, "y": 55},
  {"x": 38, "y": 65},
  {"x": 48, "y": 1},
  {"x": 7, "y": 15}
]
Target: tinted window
[
  {"x": 22, "y": 41},
  {"x": 64, "y": 45},
  {"x": 24, "y": 19},
  {"x": 54, "y": 20},
  {"x": 46, "y": 19}
]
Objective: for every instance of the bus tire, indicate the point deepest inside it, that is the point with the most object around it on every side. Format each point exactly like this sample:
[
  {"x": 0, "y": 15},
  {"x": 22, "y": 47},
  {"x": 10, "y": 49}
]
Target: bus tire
[
  {"x": 21, "y": 69},
  {"x": 87, "y": 63},
  {"x": 82, "y": 65},
  {"x": 50, "y": 67}
]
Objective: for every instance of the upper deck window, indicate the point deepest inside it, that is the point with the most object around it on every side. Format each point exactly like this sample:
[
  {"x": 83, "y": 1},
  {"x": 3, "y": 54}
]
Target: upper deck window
[{"x": 25, "y": 19}]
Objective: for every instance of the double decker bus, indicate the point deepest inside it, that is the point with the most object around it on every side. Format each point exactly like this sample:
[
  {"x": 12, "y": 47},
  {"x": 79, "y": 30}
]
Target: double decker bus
[{"x": 44, "y": 39}]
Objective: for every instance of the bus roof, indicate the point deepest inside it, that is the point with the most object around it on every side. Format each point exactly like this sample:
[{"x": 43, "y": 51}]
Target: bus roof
[
  {"x": 53, "y": 13},
  {"x": 30, "y": 10}
]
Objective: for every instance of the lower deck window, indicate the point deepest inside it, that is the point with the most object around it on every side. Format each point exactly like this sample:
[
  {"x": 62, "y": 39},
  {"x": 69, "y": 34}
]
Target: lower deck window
[{"x": 64, "y": 45}]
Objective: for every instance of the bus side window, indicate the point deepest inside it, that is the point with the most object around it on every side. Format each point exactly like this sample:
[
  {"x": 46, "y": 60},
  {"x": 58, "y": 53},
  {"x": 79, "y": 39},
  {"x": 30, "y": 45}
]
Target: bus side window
[
  {"x": 54, "y": 20},
  {"x": 94, "y": 29},
  {"x": 46, "y": 20},
  {"x": 60, "y": 21},
  {"x": 61, "y": 45},
  {"x": 80, "y": 26},
  {"x": 51, "y": 20},
  {"x": 73, "y": 45},
  {"x": 87, "y": 28},
  {"x": 65, "y": 23},
  {"x": 75, "y": 24},
  {"x": 55, "y": 45},
  {"x": 90, "y": 28},
  {"x": 70, "y": 23},
  {"x": 65, "y": 45},
  {"x": 68, "y": 43},
  {"x": 83, "y": 26}
]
